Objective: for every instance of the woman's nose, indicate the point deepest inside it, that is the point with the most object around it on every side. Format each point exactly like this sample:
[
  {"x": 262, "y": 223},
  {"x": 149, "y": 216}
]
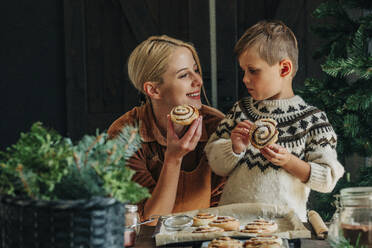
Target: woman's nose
[{"x": 197, "y": 80}]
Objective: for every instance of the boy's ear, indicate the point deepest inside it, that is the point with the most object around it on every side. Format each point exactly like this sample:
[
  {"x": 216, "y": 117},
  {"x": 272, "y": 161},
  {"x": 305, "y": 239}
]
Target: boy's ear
[
  {"x": 285, "y": 67},
  {"x": 151, "y": 90}
]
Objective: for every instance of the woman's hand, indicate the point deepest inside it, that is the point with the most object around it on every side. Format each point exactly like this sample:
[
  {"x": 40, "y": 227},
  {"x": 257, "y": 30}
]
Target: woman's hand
[
  {"x": 177, "y": 147},
  {"x": 276, "y": 154},
  {"x": 240, "y": 136}
]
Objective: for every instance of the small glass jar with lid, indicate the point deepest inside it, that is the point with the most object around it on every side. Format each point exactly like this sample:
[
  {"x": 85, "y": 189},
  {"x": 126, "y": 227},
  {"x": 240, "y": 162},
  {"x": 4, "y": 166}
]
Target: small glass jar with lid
[
  {"x": 356, "y": 215},
  {"x": 131, "y": 225}
]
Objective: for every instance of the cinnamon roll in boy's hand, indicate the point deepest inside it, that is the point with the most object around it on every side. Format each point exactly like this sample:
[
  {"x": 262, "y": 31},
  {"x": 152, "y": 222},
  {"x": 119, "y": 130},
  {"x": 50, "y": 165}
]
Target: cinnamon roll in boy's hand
[
  {"x": 184, "y": 114},
  {"x": 263, "y": 133}
]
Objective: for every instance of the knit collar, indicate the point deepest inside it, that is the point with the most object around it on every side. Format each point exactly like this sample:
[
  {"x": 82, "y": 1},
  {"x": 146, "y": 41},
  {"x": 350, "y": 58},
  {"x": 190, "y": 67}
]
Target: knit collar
[{"x": 274, "y": 108}]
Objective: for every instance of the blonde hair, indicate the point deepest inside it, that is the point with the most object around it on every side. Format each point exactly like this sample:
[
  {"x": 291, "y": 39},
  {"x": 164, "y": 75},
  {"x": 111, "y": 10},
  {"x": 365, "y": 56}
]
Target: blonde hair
[
  {"x": 274, "y": 40},
  {"x": 149, "y": 60}
]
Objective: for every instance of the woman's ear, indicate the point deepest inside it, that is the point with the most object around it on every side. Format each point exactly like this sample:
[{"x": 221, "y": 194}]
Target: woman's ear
[
  {"x": 285, "y": 67},
  {"x": 151, "y": 89}
]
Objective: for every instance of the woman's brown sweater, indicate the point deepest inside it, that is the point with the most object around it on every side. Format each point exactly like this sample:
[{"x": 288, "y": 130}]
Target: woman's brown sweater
[{"x": 198, "y": 186}]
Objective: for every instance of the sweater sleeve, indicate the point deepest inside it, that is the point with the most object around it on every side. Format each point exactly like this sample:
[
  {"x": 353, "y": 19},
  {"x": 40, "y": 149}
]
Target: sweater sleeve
[
  {"x": 321, "y": 154},
  {"x": 219, "y": 151}
]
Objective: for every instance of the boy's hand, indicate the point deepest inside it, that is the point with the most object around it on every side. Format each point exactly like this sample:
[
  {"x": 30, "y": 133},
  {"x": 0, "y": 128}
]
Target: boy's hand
[
  {"x": 240, "y": 136},
  {"x": 276, "y": 154}
]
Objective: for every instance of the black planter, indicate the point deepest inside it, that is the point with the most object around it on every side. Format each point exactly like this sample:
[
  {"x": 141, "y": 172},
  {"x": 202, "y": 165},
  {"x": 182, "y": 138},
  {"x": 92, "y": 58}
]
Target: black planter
[{"x": 96, "y": 223}]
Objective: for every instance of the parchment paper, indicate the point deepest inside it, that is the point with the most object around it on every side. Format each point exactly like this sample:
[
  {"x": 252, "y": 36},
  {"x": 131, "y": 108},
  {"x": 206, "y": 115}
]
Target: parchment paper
[{"x": 289, "y": 225}]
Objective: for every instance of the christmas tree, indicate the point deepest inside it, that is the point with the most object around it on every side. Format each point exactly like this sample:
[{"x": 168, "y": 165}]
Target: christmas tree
[{"x": 345, "y": 91}]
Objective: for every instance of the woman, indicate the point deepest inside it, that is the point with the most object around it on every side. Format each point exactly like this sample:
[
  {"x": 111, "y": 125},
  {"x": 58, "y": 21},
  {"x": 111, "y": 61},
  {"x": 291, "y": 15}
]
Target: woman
[{"x": 171, "y": 162}]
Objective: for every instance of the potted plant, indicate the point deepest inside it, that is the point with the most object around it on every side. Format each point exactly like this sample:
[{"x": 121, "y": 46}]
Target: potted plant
[{"x": 57, "y": 194}]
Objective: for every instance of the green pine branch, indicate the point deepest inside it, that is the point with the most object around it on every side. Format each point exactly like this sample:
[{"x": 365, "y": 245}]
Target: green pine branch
[{"x": 44, "y": 165}]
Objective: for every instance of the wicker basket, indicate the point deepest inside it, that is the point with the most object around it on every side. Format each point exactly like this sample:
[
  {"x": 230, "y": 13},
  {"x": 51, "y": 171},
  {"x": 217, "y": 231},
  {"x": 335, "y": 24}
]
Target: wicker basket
[{"x": 96, "y": 223}]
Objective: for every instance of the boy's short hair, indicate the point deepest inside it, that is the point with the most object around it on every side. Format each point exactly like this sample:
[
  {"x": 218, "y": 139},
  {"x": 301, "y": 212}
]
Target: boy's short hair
[{"x": 275, "y": 41}]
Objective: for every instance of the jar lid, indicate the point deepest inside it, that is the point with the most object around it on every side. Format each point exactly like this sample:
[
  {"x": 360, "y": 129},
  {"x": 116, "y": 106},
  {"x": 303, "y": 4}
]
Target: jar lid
[
  {"x": 131, "y": 208},
  {"x": 356, "y": 196}
]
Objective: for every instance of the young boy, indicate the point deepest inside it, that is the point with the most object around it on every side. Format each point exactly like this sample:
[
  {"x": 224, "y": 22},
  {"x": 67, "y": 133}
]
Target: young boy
[{"x": 304, "y": 156}]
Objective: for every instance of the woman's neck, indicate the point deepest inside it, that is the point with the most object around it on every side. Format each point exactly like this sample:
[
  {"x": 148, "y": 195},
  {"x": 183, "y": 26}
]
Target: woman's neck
[{"x": 160, "y": 112}]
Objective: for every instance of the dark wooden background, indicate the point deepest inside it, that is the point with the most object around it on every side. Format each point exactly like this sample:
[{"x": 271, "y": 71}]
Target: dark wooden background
[{"x": 63, "y": 62}]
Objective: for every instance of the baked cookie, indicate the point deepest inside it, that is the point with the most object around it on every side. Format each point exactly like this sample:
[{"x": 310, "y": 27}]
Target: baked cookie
[
  {"x": 184, "y": 114},
  {"x": 260, "y": 226},
  {"x": 263, "y": 133},
  {"x": 264, "y": 241},
  {"x": 207, "y": 229},
  {"x": 261, "y": 244},
  {"x": 202, "y": 219},
  {"x": 225, "y": 242},
  {"x": 226, "y": 222}
]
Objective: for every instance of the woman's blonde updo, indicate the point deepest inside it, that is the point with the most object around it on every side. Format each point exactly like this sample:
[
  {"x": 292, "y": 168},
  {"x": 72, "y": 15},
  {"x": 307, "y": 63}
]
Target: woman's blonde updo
[{"x": 149, "y": 60}]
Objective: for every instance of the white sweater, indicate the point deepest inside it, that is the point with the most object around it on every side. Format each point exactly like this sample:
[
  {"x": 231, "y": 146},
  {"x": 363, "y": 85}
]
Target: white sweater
[{"x": 303, "y": 130}]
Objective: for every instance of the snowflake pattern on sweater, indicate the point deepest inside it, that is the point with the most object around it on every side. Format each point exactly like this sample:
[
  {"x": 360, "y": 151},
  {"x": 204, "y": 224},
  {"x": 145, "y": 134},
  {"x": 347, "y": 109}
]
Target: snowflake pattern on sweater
[
  {"x": 304, "y": 131},
  {"x": 295, "y": 123}
]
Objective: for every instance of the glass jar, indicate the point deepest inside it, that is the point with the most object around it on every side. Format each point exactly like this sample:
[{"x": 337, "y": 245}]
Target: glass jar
[
  {"x": 334, "y": 226},
  {"x": 131, "y": 225},
  {"x": 356, "y": 215}
]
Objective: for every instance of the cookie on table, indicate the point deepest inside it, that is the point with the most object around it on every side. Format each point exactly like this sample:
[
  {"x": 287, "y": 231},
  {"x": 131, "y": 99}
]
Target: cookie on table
[
  {"x": 208, "y": 229},
  {"x": 225, "y": 242},
  {"x": 264, "y": 241},
  {"x": 260, "y": 226},
  {"x": 226, "y": 222},
  {"x": 203, "y": 219}
]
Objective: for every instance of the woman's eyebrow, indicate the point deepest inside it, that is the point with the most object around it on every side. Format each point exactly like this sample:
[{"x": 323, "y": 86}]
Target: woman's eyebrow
[{"x": 181, "y": 70}]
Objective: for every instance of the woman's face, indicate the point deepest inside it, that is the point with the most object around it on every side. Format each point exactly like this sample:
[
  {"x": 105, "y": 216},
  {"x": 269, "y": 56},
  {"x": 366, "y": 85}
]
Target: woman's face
[{"x": 182, "y": 81}]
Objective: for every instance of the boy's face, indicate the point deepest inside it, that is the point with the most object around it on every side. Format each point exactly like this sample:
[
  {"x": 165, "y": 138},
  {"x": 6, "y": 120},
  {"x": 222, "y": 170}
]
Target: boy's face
[{"x": 262, "y": 80}]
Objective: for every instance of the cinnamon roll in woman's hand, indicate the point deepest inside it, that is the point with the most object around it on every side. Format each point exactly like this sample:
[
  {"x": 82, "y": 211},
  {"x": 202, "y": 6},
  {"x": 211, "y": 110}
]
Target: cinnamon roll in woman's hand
[
  {"x": 184, "y": 114},
  {"x": 263, "y": 133}
]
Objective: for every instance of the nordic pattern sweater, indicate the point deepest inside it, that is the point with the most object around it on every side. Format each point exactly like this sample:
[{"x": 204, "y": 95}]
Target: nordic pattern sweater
[{"x": 304, "y": 131}]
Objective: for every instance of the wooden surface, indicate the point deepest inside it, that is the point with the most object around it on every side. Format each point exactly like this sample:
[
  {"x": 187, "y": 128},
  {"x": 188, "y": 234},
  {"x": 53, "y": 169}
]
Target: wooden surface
[{"x": 145, "y": 240}]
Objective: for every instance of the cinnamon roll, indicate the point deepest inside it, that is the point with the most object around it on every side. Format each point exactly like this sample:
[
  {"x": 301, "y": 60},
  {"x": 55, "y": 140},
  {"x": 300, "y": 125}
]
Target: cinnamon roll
[
  {"x": 226, "y": 222},
  {"x": 225, "y": 242},
  {"x": 260, "y": 226},
  {"x": 263, "y": 133},
  {"x": 207, "y": 229},
  {"x": 202, "y": 219},
  {"x": 184, "y": 114},
  {"x": 265, "y": 241}
]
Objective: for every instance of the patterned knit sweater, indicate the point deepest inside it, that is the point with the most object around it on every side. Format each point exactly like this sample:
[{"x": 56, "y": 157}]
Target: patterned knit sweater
[{"x": 303, "y": 130}]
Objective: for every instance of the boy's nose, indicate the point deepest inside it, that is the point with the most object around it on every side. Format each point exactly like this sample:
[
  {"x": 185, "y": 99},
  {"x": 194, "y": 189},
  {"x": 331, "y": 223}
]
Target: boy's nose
[{"x": 245, "y": 79}]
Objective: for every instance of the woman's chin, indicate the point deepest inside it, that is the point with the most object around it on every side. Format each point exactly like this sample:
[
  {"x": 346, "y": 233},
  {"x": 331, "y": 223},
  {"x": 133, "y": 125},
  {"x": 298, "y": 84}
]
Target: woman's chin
[{"x": 194, "y": 103}]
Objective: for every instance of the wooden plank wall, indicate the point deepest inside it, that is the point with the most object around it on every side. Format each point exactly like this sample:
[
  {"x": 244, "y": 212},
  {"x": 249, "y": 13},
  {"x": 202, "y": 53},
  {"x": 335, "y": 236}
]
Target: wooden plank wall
[{"x": 100, "y": 35}]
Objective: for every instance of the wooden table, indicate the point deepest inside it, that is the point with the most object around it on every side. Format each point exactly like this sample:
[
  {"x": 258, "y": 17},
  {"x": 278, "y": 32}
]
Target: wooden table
[{"x": 145, "y": 240}]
